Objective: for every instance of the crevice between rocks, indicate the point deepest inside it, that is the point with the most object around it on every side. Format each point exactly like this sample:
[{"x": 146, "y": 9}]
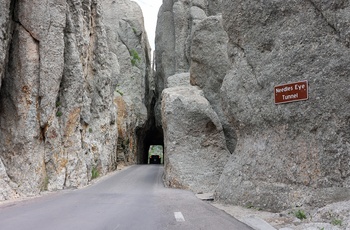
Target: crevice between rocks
[{"x": 333, "y": 27}]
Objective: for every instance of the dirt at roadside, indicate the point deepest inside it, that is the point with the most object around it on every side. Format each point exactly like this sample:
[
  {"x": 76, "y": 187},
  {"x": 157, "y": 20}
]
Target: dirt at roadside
[{"x": 334, "y": 216}]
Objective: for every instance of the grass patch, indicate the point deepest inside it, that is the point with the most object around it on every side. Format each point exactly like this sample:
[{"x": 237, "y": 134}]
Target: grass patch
[
  {"x": 300, "y": 214},
  {"x": 135, "y": 58},
  {"x": 251, "y": 206},
  {"x": 59, "y": 114},
  {"x": 45, "y": 184},
  {"x": 337, "y": 222},
  {"x": 94, "y": 173}
]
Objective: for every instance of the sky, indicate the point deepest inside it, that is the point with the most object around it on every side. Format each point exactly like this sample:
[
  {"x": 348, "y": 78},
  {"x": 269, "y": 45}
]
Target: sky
[{"x": 150, "y": 12}]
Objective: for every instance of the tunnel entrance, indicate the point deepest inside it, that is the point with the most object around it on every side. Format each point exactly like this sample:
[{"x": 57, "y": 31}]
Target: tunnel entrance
[
  {"x": 156, "y": 154},
  {"x": 147, "y": 138}
]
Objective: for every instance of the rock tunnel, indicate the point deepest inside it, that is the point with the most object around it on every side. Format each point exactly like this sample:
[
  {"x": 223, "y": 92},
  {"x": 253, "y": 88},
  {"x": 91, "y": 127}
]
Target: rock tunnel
[
  {"x": 145, "y": 138},
  {"x": 150, "y": 133}
]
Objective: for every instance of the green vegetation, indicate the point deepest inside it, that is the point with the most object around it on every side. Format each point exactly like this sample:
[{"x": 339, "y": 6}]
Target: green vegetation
[
  {"x": 135, "y": 58},
  {"x": 90, "y": 130},
  {"x": 118, "y": 91},
  {"x": 45, "y": 184},
  {"x": 337, "y": 222},
  {"x": 156, "y": 150},
  {"x": 251, "y": 206},
  {"x": 300, "y": 214},
  {"x": 59, "y": 114},
  {"x": 94, "y": 173}
]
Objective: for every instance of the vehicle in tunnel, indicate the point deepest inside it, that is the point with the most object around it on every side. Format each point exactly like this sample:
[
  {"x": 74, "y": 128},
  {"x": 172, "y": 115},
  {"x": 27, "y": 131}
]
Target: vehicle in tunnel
[
  {"x": 155, "y": 154},
  {"x": 147, "y": 139},
  {"x": 154, "y": 159}
]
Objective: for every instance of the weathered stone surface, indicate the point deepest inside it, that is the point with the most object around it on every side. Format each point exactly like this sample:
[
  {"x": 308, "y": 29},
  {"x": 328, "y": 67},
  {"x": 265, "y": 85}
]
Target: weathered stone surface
[
  {"x": 175, "y": 25},
  {"x": 128, "y": 42},
  {"x": 339, "y": 211},
  {"x": 6, "y": 190},
  {"x": 5, "y": 38},
  {"x": 21, "y": 148},
  {"x": 5, "y": 35},
  {"x": 209, "y": 64},
  {"x": 188, "y": 40},
  {"x": 58, "y": 116},
  {"x": 298, "y": 153},
  {"x": 178, "y": 18},
  {"x": 45, "y": 23},
  {"x": 195, "y": 149},
  {"x": 181, "y": 79}
]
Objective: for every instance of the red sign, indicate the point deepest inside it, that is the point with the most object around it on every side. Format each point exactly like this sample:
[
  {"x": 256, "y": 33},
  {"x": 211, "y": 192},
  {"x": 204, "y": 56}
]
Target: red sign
[{"x": 297, "y": 91}]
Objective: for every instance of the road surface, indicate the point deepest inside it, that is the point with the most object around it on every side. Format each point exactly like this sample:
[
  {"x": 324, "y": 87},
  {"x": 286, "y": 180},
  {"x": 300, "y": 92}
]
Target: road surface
[{"x": 131, "y": 199}]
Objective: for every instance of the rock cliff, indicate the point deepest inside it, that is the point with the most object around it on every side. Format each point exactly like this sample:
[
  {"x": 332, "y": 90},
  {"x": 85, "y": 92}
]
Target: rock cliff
[
  {"x": 297, "y": 153},
  {"x": 64, "y": 65},
  {"x": 194, "y": 133},
  {"x": 176, "y": 22},
  {"x": 194, "y": 142},
  {"x": 283, "y": 155},
  {"x": 129, "y": 47},
  {"x": 78, "y": 97}
]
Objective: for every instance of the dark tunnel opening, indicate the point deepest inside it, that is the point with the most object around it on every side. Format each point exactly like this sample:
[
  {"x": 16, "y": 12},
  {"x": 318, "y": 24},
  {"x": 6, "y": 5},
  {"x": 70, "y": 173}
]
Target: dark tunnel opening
[
  {"x": 147, "y": 138},
  {"x": 151, "y": 133}
]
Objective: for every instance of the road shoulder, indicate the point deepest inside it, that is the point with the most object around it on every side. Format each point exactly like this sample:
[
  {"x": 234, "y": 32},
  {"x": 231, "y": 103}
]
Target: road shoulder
[{"x": 335, "y": 216}]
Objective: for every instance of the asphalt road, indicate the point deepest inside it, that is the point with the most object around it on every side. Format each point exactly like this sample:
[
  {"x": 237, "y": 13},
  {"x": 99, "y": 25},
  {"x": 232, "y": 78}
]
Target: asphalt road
[{"x": 131, "y": 199}]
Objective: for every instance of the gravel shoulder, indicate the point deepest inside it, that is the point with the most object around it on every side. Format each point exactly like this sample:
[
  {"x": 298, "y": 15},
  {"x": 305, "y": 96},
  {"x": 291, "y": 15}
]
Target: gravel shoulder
[{"x": 335, "y": 216}]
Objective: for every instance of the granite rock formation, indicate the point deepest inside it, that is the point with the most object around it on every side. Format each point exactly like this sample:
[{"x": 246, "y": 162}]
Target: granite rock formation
[
  {"x": 60, "y": 65},
  {"x": 128, "y": 43},
  {"x": 194, "y": 142},
  {"x": 285, "y": 155},
  {"x": 209, "y": 64},
  {"x": 176, "y": 23},
  {"x": 297, "y": 153},
  {"x": 194, "y": 138}
]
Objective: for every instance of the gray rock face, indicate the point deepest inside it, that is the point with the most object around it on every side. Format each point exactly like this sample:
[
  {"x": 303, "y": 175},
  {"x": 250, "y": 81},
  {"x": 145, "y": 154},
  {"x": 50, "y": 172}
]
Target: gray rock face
[
  {"x": 195, "y": 149},
  {"x": 181, "y": 79},
  {"x": 61, "y": 62},
  {"x": 51, "y": 81},
  {"x": 128, "y": 44},
  {"x": 209, "y": 64},
  {"x": 297, "y": 153},
  {"x": 5, "y": 39},
  {"x": 175, "y": 25},
  {"x": 188, "y": 38},
  {"x": 5, "y": 35}
]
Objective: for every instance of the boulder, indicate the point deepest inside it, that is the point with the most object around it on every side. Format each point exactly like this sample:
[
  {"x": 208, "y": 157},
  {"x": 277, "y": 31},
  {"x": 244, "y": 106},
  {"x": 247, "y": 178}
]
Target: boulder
[
  {"x": 195, "y": 149},
  {"x": 209, "y": 64},
  {"x": 181, "y": 79},
  {"x": 175, "y": 25}
]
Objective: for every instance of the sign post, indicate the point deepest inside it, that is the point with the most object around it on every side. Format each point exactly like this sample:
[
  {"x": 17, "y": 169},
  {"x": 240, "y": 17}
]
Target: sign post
[{"x": 297, "y": 91}]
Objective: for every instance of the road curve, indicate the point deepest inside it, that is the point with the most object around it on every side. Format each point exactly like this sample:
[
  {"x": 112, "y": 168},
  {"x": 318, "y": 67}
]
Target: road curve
[{"x": 131, "y": 199}]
